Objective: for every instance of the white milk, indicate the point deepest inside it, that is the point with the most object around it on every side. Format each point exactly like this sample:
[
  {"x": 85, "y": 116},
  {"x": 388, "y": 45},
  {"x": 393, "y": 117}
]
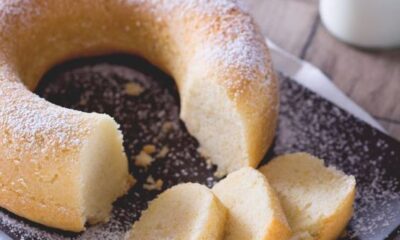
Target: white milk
[{"x": 364, "y": 23}]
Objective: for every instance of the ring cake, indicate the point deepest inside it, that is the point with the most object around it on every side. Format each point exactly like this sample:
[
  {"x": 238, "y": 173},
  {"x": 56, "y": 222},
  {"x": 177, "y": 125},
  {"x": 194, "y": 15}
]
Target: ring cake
[{"x": 63, "y": 168}]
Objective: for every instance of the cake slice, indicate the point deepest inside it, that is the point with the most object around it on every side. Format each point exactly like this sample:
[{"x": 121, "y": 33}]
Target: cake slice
[
  {"x": 187, "y": 211},
  {"x": 254, "y": 211},
  {"x": 317, "y": 200}
]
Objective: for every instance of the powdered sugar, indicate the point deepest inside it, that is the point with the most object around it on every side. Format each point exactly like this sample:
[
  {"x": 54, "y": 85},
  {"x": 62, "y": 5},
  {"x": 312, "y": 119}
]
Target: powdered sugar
[
  {"x": 229, "y": 41},
  {"x": 228, "y": 38},
  {"x": 225, "y": 28},
  {"x": 23, "y": 10},
  {"x": 16, "y": 7},
  {"x": 28, "y": 119}
]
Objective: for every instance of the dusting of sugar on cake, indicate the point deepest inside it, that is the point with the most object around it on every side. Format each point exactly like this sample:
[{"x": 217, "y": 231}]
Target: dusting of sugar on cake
[
  {"x": 237, "y": 44},
  {"x": 40, "y": 125},
  {"x": 24, "y": 10},
  {"x": 17, "y": 7},
  {"x": 227, "y": 35}
]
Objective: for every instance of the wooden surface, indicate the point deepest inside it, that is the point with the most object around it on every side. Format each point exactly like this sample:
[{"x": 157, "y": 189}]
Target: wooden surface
[{"x": 370, "y": 78}]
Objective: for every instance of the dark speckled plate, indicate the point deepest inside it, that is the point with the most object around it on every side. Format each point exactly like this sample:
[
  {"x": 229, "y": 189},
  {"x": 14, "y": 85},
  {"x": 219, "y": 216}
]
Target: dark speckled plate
[{"x": 149, "y": 115}]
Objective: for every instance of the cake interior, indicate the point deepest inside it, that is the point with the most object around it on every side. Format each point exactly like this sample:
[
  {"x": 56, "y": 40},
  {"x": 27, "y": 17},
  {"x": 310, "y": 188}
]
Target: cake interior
[{"x": 103, "y": 166}]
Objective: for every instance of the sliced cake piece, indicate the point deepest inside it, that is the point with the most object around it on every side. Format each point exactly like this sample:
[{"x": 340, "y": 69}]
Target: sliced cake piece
[
  {"x": 187, "y": 211},
  {"x": 317, "y": 200},
  {"x": 254, "y": 211}
]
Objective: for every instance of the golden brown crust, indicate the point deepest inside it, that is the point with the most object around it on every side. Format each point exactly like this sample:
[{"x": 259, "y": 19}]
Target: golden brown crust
[
  {"x": 278, "y": 230},
  {"x": 334, "y": 226},
  {"x": 217, "y": 37},
  {"x": 54, "y": 215}
]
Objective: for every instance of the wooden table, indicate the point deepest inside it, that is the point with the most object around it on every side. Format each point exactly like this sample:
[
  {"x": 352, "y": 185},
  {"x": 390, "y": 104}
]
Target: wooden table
[{"x": 370, "y": 78}]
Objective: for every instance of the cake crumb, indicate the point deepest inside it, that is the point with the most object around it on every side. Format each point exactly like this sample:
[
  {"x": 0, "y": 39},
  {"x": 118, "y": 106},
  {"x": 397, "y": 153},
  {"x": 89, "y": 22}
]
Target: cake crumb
[
  {"x": 152, "y": 184},
  {"x": 219, "y": 174},
  {"x": 167, "y": 126},
  {"x": 143, "y": 159},
  {"x": 131, "y": 181},
  {"x": 202, "y": 152},
  {"x": 133, "y": 89},
  {"x": 149, "y": 148},
  {"x": 163, "y": 152}
]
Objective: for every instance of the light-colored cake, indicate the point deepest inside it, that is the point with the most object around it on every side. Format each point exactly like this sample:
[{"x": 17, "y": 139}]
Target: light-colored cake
[
  {"x": 61, "y": 167},
  {"x": 317, "y": 200},
  {"x": 254, "y": 211},
  {"x": 184, "y": 212},
  {"x": 66, "y": 177}
]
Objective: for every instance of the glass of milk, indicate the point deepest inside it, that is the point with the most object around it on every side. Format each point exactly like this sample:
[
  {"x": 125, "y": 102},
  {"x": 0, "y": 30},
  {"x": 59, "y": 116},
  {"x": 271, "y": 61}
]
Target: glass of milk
[{"x": 363, "y": 23}]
